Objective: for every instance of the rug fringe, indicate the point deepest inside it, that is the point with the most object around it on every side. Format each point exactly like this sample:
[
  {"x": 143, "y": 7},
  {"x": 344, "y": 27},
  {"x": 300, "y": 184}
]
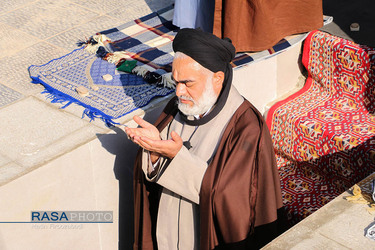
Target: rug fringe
[
  {"x": 96, "y": 41},
  {"x": 92, "y": 115},
  {"x": 56, "y": 96},
  {"x": 140, "y": 71},
  {"x": 117, "y": 56},
  {"x": 167, "y": 81}
]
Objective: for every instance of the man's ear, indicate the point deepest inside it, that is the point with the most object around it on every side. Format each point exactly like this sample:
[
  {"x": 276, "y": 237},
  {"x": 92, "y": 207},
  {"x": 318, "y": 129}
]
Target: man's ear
[
  {"x": 219, "y": 77},
  {"x": 218, "y": 80}
]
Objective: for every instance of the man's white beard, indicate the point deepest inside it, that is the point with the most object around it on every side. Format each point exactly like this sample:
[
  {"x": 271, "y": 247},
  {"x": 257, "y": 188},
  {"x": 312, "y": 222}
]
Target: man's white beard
[{"x": 205, "y": 102}]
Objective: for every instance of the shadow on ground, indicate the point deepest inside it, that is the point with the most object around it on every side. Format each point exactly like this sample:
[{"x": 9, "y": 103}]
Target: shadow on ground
[
  {"x": 125, "y": 151},
  {"x": 346, "y": 12},
  {"x": 155, "y": 5}
]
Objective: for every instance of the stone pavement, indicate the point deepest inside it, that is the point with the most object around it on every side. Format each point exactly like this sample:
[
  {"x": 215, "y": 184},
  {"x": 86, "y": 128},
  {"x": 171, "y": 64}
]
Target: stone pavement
[
  {"x": 338, "y": 225},
  {"x": 34, "y": 131}
]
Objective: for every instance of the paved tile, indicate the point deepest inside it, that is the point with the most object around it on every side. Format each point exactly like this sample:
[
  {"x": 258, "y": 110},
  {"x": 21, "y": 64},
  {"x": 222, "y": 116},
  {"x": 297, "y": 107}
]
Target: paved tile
[
  {"x": 101, "y": 6},
  {"x": 36, "y": 132},
  {"x": 66, "y": 143},
  {"x": 14, "y": 69},
  {"x": 290, "y": 238},
  {"x": 9, "y": 5},
  {"x": 318, "y": 242},
  {"x": 45, "y": 18},
  {"x": 68, "y": 39},
  {"x": 135, "y": 9},
  {"x": 157, "y": 5},
  {"x": 349, "y": 226},
  {"x": 12, "y": 40},
  {"x": 300, "y": 239},
  {"x": 8, "y": 95},
  {"x": 4, "y": 160},
  {"x": 337, "y": 225},
  {"x": 10, "y": 172}
]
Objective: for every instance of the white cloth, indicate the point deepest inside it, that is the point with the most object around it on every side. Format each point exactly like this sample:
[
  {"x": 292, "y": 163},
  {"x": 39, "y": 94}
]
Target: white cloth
[
  {"x": 178, "y": 216},
  {"x": 194, "y": 14}
]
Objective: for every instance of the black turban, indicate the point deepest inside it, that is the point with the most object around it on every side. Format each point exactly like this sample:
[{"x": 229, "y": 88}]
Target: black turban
[
  {"x": 212, "y": 53},
  {"x": 207, "y": 49}
]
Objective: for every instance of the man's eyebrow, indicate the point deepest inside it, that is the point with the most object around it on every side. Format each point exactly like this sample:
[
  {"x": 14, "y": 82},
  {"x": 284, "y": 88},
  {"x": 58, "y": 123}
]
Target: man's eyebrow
[{"x": 182, "y": 81}]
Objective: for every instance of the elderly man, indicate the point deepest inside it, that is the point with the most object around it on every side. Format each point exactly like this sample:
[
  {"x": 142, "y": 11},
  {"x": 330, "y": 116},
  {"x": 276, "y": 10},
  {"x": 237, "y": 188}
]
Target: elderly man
[{"x": 206, "y": 176}]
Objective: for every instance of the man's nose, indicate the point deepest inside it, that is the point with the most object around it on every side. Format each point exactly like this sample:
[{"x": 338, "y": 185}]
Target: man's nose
[{"x": 180, "y": 89}]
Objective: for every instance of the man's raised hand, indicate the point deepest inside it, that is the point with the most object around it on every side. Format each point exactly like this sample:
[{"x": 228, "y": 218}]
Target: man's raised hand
[
  {"x": 147, "y": 136},
  {"x": 146, "y": 129}
]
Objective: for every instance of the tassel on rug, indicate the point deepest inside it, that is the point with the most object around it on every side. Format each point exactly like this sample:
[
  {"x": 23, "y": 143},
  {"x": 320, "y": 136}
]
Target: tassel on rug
[{"x": 56, "y": 96}]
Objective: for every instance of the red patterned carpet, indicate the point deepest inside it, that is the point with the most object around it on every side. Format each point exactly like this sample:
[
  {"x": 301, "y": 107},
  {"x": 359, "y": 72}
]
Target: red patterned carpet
[{"x": 324, "y": 135}]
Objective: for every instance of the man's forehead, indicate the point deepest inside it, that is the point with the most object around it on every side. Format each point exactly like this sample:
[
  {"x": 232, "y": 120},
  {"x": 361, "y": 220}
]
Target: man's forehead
[
  {"x": 186, "y": 63},
  {"x": 184, "y": 74},
  {"x": 183, "y": 57}
]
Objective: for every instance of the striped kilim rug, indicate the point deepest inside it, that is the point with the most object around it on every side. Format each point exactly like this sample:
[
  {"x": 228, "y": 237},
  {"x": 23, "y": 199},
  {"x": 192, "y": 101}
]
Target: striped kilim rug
[
  {"x": 94, "y": 76},
  {"x": 324, "y": 135}
]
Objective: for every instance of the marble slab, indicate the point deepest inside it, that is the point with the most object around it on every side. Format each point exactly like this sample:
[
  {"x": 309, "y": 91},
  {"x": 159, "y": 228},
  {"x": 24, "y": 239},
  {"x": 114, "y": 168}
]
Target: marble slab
[
  {"x": 37, "y": 132},
  {"x": 12, "y": 40},
  {"x": 14, "y": 69},
  {"x": 44, "y": 19},
  {"x": 8, "y": 95}
]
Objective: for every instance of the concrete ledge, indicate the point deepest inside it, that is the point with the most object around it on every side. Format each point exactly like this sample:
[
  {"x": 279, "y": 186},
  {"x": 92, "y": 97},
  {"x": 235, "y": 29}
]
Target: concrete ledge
[
  {"x": 337, "y": 225},
  {"x": 263, "y": 81}
]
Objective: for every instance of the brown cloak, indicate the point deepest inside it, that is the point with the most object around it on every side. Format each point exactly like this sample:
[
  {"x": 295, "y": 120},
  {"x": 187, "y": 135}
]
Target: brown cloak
[
  {"x": 241, "y": 178},
  {"x": 255, "y": 25}
]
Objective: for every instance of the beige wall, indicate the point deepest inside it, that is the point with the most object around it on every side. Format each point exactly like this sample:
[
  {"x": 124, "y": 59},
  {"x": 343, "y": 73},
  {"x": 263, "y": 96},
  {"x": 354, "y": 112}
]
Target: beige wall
[
  {"x": 96, "y": 176},
  {"x": 266, "y": 80},
  {"x": 80, "y": 180}
]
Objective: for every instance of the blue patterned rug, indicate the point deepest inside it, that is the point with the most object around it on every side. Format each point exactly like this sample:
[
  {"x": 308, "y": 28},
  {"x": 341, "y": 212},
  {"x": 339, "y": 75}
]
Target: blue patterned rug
[
  {"x": 113, "y": 99},
  {"x": 88, "y": 76},
  {"x": 119, "y": 93}
]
